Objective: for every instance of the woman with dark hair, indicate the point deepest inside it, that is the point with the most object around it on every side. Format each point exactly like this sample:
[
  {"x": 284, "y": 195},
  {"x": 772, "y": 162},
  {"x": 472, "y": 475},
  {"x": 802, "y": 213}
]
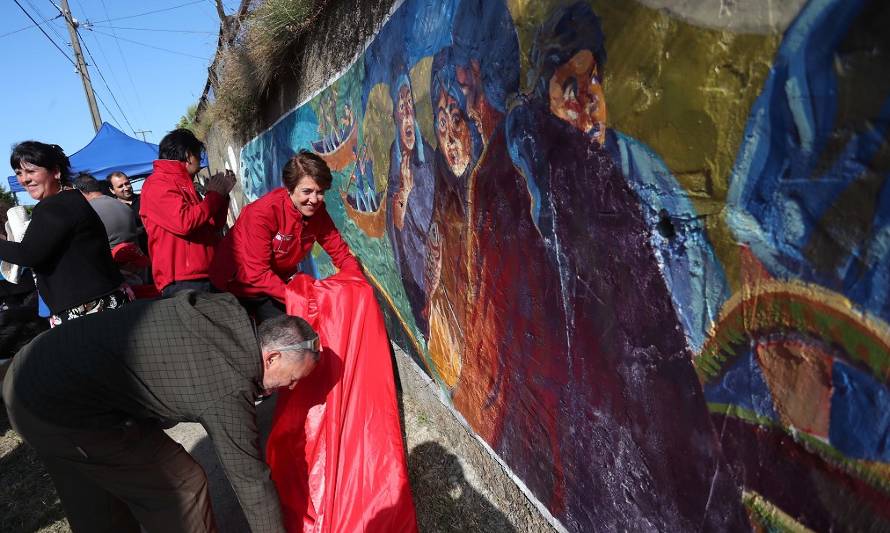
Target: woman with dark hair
[
  {"x": 65, "y": 244},
  {"x": 182, "y": 227},
  {"x": 273, "y": 234}
]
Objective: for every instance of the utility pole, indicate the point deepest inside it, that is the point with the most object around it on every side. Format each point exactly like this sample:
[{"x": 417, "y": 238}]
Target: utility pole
[
  {"x": 82, "y": 66},
  {"x": 142, "y": 133}
]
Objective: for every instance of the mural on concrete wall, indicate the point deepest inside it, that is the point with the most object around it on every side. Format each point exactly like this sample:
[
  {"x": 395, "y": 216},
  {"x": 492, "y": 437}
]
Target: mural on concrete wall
[{"x": 643, "y": 252}]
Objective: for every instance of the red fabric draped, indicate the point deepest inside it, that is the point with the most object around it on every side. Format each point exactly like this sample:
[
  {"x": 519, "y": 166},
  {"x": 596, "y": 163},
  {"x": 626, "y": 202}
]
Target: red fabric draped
[{"x": 335, "y": 448}]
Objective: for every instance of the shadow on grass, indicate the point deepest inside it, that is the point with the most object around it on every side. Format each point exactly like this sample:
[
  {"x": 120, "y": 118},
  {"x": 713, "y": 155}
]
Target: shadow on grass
[{"x": 445, "y": 501}]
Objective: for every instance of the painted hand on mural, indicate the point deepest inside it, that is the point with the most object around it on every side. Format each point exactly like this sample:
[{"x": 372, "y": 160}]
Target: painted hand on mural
[
  {"x": 400, "y": 202},
  {"x": 432, "y": 274}
]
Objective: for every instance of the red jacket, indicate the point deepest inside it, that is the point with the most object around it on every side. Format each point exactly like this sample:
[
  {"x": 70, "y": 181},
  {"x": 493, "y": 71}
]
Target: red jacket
[
  {"x": 267, "y": 243},
  {"x": 182, "y": 228}
]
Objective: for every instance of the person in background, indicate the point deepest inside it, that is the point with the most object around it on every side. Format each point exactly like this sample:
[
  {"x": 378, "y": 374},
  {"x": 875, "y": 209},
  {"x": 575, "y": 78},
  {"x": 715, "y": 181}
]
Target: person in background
[
  {"x": 121, "y": 188},
  {"x": 182, "y": 227},
  {"x": 273, "y": 234},
  {"x": 65, "y": 244},
  {"x": 120, "y": 225}
]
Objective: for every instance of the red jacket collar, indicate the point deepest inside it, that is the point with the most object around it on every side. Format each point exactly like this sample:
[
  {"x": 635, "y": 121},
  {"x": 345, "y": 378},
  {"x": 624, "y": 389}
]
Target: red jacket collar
[{"x": 170, "y": 166}]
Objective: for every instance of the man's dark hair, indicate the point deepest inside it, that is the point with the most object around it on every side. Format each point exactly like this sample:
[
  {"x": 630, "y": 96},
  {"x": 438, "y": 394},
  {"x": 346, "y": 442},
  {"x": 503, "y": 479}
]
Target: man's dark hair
[
  {"x": 563, "y": 35},
  {"x": 48, "y": 156},
  {"x": 304, "y": 164},
  {"x": 84, "y": 182},
  {"x": 178, "y": 144},
  {"x": 106, "y": 187},
  {"x": 285, "y": 330}
]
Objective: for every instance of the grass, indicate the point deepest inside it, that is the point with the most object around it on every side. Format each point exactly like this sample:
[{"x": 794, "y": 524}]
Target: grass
[
  {"x": 28, "y": 500},
  {"x": 247, "y": 69}
]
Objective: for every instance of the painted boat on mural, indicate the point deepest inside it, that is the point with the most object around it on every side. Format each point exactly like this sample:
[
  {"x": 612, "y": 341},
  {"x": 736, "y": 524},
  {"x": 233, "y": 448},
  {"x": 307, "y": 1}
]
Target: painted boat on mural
[
  {"x": 341, "y": 155},
  {"x": 372, "y": 223}
]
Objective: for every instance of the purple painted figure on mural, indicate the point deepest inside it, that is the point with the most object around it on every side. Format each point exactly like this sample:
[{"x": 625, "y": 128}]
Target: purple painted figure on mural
[
  {"x": 635, "y": 400},
  {"x": 409, "y": 197}
]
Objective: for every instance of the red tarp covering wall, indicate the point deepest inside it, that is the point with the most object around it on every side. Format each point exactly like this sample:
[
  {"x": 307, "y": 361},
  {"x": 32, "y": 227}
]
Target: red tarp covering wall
[{"x": 335, "y": 448}]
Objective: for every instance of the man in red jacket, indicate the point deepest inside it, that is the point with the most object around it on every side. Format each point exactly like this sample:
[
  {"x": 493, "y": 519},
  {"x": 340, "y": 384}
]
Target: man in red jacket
[{"x": 182, "y": 228}]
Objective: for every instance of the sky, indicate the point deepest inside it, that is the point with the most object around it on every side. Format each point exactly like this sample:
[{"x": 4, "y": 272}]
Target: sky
[{"x": 147, "y": 60}]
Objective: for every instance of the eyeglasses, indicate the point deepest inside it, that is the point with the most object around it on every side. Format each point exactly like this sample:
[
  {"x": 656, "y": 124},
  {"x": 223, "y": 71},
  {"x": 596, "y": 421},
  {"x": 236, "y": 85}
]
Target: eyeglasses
[{"x": 313, "y": 345}]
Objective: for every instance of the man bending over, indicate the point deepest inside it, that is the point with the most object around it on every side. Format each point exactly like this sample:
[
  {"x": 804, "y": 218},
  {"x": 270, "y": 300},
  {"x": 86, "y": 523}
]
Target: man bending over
[{"x": 88, "y": 396}]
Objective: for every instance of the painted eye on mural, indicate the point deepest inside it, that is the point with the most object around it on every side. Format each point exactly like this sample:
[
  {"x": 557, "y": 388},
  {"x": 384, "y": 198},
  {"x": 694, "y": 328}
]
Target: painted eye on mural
[
  {"x": 443, "y": 121},
  {"x": 456, "y": 120}
]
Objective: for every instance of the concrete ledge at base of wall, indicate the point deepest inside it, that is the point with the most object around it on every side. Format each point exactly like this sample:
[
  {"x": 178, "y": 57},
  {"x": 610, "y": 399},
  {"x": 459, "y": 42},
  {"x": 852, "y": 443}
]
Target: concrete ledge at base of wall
[{"x": 457, "y": 483}]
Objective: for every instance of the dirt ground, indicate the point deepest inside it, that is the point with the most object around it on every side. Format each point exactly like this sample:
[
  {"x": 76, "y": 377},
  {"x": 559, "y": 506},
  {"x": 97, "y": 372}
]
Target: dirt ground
[{"x": 449, "y": 494}]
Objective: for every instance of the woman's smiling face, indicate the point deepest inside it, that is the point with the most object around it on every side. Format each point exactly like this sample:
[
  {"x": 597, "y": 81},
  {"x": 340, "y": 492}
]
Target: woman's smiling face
[
  {"x": 40, "y": 182},
  {"x": 307, "y": 196}
]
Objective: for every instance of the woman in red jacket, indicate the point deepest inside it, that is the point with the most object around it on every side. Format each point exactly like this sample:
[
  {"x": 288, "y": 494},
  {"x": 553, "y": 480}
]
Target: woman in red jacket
[{"x": 273, "y": 234}]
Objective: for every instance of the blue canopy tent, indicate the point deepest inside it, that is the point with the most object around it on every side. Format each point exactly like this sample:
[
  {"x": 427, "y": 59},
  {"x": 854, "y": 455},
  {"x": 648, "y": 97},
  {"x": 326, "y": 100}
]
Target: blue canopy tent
[{"x": 110, "y": 150}]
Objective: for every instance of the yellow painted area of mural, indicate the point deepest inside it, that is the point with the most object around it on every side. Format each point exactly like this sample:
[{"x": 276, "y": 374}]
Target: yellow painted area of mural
[
  {"x": 423, "y": 108},
  {"x": 685, "y": 91},
  {"x": 765, "y": 516},
  {"x": 798, "y": 307},
  {"x": 378, "y": 119},
  {"x": 444, "y": 344}
]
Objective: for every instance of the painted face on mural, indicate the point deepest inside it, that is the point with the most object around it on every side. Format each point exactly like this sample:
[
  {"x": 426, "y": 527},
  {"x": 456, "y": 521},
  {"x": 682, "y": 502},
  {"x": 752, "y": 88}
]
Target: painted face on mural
[
  {"x": 307, "y": 197},
  {"x": 405, "y": 115},
  {"x": 453, "y": 133},
  {"x": 576, "y": 95}
]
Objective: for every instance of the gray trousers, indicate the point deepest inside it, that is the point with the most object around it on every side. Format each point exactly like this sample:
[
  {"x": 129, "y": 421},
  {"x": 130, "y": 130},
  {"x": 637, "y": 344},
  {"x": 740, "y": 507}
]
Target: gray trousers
[{"x": 116, "y": 479}]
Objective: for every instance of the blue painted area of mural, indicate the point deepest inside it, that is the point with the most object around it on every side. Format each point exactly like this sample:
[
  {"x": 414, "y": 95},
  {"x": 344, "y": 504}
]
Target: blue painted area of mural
[
  {"x": 790, "y": 172},
  {"x": 263, "y": 159},
  {"x": 690, "y": 267},
  {"x": 810, "y": 195},
  {"x": 742, "y": 385},
  {"x": 860, "y": 420}
]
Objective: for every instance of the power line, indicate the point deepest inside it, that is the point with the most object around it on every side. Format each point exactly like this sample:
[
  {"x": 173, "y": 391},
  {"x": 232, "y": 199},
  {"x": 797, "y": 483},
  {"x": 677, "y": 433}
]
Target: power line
[
  {"x": 96, "y": 63},
  {"x": 51, "y": 27},
  {"x": 148, "y": 45},
  {"x": 64, "y": 54},
  {"x": 126, "y": 65},
  {"x": 104, "y": 81},
  {"x": 150, "y": 12},
  {"x": 154, "y": 29},
  {"x": 44, "y": 33},
  {"x": 29, "y": 26}
]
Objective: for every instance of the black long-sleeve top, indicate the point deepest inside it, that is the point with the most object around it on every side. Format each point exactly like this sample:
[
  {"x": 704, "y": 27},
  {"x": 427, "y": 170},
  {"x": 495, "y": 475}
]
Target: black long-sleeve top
[
  {"x": 190, "y": 358},
  {"x": 67, "y": 247}
]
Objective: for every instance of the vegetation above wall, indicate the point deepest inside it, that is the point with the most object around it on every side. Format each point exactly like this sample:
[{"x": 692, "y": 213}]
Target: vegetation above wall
[{"x": 259, "y": 51}]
